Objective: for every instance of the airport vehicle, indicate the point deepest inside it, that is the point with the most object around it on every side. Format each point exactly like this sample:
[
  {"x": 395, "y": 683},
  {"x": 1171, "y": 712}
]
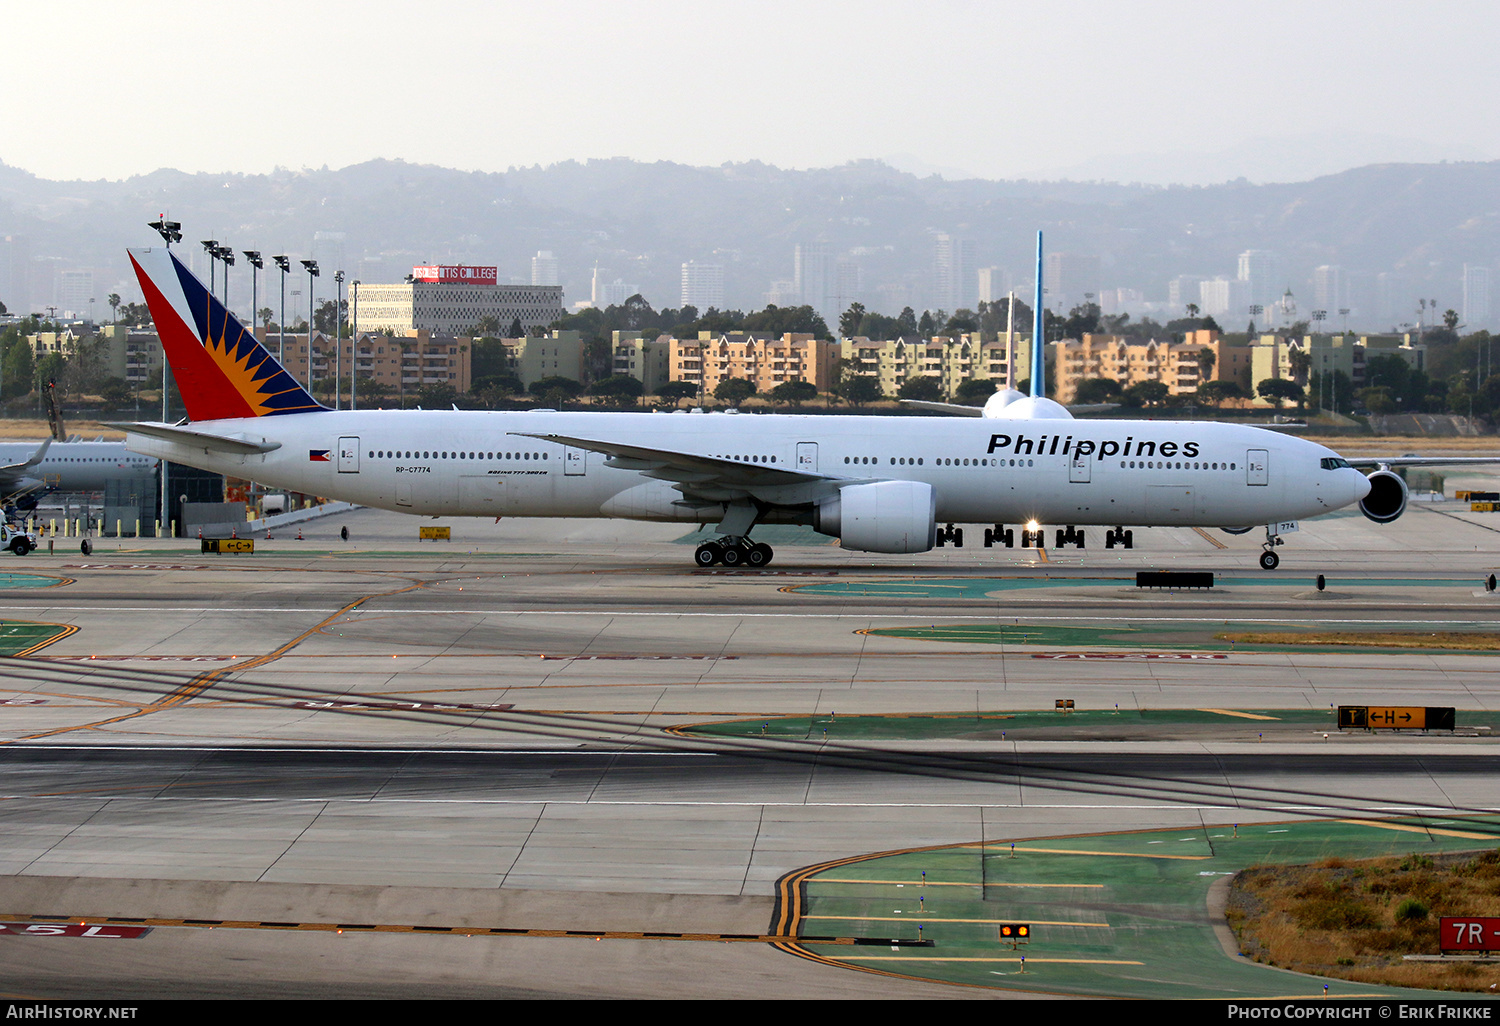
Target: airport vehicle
[
  {"x": 878, "y": 484},
  {"x": 16, "y": 538}
]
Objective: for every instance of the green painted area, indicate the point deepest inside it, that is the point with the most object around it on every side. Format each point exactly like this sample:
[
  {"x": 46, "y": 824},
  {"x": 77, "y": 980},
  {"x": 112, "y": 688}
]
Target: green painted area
[
  {"x": 990, "y": 725},
  {"x": 1137, "y": 927},
  {"x": 10, "y": 581},
  {"x": 19, "y": 635}
]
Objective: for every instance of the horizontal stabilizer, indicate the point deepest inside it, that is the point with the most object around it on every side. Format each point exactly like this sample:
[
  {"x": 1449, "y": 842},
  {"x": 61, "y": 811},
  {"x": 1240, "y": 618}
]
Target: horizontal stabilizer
[{"x": 238, "y": 445}]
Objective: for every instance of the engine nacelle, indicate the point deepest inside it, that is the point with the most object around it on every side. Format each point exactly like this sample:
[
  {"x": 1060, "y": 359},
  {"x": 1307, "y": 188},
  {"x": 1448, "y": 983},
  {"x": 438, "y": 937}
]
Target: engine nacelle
[
  {"x": 1387, "y": 498},
  {"x": 887, "y": 516}
]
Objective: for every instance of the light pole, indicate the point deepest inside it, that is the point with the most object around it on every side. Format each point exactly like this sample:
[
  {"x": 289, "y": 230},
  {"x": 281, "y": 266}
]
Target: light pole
[
  {"x": 338, "y": 337},
  {"x": 312, "y": 272},
  {"x": 226, "y": 254},
  {"x": 354, "y": 331},
  {"x": 252, "y": 257},
  {"x": 285, "y": 265},
  {"x": 170, "y": 231},
  {"x": 211, "y": 246}
]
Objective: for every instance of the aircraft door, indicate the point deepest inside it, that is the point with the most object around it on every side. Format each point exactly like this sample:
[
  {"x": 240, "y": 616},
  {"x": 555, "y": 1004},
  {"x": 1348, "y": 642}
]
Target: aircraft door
[
  {"x": 1258, "y": 467},
  {"x": 349, "y": 455},
  {"x": 1079, "y": 468},
  {"x": 575, "y": 461},
  {"x": 807, "y": 457}
]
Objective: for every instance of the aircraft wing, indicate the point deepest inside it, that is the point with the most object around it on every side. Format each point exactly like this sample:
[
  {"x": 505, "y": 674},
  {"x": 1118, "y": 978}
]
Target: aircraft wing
[
  {"x": 11, "y": 475},
  {"x": 959, "y": 410},
  {"x": 707, "y": 478},
  {"x": 194, "y": 439},
  {"x": 1375, "y": 462},
  {"x": 955, "y": 409}
]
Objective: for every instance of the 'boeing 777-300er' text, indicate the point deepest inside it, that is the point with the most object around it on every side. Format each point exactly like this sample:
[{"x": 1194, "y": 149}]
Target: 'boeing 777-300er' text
[{"x": 878, "y": 484}]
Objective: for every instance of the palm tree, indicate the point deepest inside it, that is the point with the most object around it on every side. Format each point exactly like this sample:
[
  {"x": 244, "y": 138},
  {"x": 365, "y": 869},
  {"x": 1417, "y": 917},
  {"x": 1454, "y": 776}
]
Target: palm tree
[{"x": 114, "y": 307}]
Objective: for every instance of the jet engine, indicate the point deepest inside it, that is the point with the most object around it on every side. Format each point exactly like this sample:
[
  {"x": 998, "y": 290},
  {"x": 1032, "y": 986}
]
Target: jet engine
[
  {"x": 1387, "y": 498},
  {"x": 886, "y": 516}
]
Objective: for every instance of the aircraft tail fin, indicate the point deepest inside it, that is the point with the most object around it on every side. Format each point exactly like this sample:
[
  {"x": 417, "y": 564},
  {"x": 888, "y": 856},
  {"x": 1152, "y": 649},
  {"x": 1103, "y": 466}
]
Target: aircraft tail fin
[{"x": 221, "y": 370}]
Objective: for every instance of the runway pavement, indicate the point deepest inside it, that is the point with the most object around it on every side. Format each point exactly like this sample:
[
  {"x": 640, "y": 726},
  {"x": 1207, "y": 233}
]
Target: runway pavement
[{"x": 471, "y": 733}]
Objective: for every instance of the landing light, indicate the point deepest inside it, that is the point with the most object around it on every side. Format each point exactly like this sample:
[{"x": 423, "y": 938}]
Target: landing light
[{"x": 1032, "y": 525}]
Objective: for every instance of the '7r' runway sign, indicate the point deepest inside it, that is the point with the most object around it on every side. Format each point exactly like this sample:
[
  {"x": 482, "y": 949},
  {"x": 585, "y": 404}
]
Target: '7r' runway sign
[{"x": 1469, "y": 933}]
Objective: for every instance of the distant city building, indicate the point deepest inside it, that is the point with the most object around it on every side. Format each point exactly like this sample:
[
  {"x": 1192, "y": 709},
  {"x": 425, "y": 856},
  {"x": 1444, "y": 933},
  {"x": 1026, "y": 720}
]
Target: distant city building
[
  {"x": 648, "y": 360},
  {"x": 1221, "y": 297},
  {"x": 1476, "y": 312},
  {"x": 611, "y": 293},
  {"x": 1395, "y": 302},
  {"x": 953, "y": 283},
  {"x": 454, "y": 300},
  {"x": 1070, "y": 279},
  {"x": 544, "y": 268},
  {"x": 782, "y": 294},
  {"x": 812, "y": 278},
  {"x": 1330, "y": 289},
  {"x": 994, "y": 284},
  {"x": 1260, "y": 270},
  {"x": 75, "y": 293},
  {"x": 1183, "y": 290},
  {"x": 765, "y": 360},
  {"x": 1272, "y": 357},
  {"x": 1178, "y": 365},
  {"x": 557, "y": 354},
  {"x": 15, "y": 274},
  {"x": 950, "y": 360},
  {"x": 703, "y": 285}
]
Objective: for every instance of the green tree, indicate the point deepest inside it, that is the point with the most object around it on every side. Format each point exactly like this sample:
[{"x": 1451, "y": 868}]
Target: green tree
[
  {"x": 974, "y": 392},
  {"x": 1096, "y": 390},
  {"x": 859, "y": 390},
  {"x": 924, "y": 387},
  {"x": 1146, "y": 393},
  {"x": 556, "y": 383},
  {"x": 675, "y": 392},
  {"x": 1216, "y": 393},
  {"x": 794, "y": 393},
  {"x": 114, "y": 307},
  {"x": 850, "y": 320},
  {"x": 1280, "y": 390},
  {"x": 734, "y": 391},
  {"x": 620, "y": 387}
]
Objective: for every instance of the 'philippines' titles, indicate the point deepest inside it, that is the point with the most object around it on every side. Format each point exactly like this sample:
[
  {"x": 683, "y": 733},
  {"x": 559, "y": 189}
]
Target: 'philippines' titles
[{"x": 1060, "y": 446}]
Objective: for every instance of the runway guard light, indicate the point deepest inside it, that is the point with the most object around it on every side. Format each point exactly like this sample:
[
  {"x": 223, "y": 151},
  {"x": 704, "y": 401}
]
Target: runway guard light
[{"x": 1015, "y": 933}]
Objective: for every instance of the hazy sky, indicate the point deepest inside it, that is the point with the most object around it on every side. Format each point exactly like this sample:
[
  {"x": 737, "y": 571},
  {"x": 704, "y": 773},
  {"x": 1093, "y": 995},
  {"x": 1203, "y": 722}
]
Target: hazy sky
[{"x": 1168, "y": 89}]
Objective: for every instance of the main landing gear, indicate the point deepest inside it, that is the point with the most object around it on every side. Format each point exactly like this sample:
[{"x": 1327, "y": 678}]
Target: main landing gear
[
  {"x": 733, "y": 552},
  {"x": 733, "y": 547}
]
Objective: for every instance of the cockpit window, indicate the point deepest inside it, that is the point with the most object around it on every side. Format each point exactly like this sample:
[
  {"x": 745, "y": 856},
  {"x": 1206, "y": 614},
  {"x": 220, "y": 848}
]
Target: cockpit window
[{"x": 1334, "y": 463}]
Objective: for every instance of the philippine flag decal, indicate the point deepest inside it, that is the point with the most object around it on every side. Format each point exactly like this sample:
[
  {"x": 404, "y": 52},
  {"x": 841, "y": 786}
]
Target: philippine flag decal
[{"x": 318, "y": 455}]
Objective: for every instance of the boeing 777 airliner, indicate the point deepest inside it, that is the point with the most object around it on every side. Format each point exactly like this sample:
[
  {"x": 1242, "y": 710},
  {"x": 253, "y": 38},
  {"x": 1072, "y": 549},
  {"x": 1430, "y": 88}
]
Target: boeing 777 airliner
[{"x": 878, "y": 484}]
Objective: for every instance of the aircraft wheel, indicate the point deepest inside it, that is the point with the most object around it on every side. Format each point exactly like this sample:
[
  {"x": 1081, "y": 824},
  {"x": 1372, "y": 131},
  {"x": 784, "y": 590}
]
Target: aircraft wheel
[
  {"x": 759, "y": 555},
  {"x": 708, "y": 554},
  {"x": 733, "y": 555},
  {"x": 1269, "y": 560}
]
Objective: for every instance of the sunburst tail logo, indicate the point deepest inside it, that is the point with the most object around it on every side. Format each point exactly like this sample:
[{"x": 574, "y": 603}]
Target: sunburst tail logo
[{"x": 221, "y": 370}]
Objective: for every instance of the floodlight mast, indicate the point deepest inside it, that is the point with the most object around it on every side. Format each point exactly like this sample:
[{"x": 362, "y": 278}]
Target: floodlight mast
[
  {"x": 285, "y": 265},
  {"x": 312, "y": 272}
]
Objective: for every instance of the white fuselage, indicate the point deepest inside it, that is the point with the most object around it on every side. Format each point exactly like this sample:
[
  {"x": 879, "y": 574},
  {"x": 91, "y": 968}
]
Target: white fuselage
[
  {"x": 75, "y": 466},
  {"x": 1080, "y": 472}
]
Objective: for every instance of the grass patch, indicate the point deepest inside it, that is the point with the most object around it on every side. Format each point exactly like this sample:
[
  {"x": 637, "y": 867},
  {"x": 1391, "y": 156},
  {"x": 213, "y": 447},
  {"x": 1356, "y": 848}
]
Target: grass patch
[
  {"x": 1354, "y": 920},
  {"x": 1470, "y": 641}
]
